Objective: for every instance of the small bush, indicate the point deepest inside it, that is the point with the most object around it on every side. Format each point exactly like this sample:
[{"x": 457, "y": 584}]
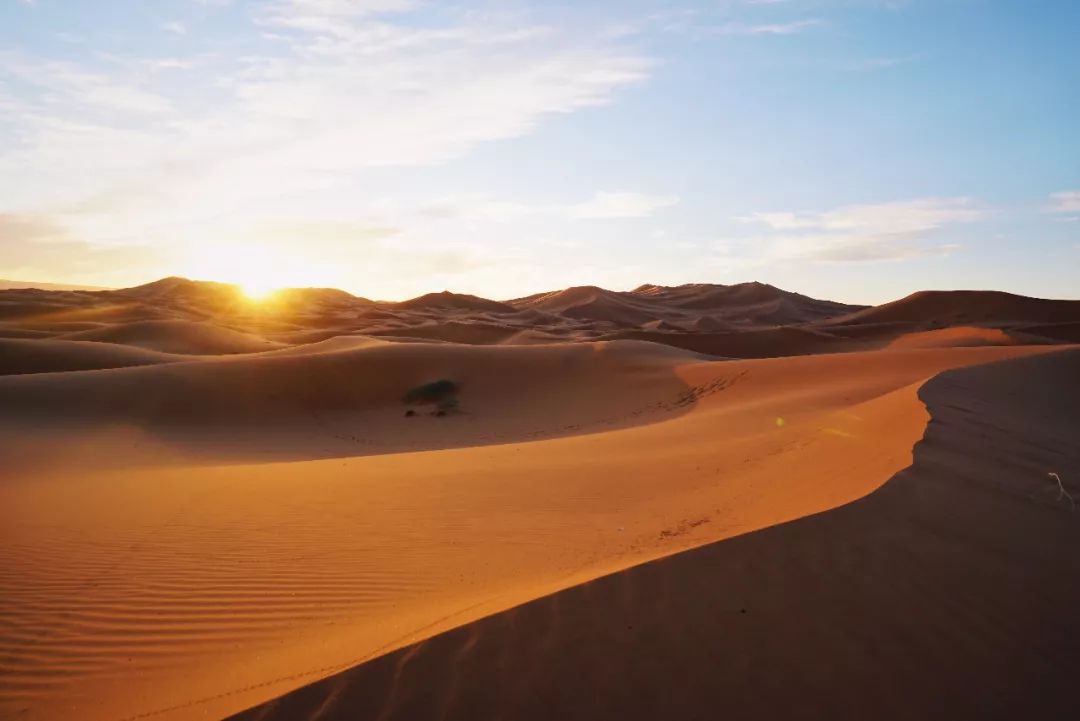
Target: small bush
[{"x": 439, "y": 391}]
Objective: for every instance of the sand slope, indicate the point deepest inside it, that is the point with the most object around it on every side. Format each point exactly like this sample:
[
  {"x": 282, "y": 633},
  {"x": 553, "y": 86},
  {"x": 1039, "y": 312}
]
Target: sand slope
[
  {"x": 19, "y": 356},
  {"x": 964, "y": 336},
  {"x": 341, "y": 398},
  {"x": 771, "y": 343},
  {"x": 948, "y": 594},
  {"x": 196, "y": 588},
  {"x": 177, "y": 336},
  {"x": 959, "y": 307}
]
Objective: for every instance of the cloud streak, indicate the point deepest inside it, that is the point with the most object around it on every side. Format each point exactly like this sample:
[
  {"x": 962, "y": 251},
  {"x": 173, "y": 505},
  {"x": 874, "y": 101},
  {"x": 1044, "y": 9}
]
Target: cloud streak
[
  {"x": 788, "y": 28},
  {"x": 857, "y": 233},
  {"x": 1066, "y": 201}
]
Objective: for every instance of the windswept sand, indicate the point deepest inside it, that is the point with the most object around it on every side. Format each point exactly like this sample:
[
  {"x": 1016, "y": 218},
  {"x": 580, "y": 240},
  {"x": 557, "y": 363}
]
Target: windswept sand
[
  {"x": 207, "y": 505},
  {"x": 185, "y": 582},
  {"x": 950, "y": 593}
]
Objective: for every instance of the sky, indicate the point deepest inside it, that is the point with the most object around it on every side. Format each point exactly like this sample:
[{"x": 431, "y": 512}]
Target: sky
[{"x": 856, "y": 150}]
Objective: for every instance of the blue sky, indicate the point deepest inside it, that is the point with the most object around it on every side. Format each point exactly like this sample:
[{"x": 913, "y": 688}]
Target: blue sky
[{"x": 850, "y": 149}]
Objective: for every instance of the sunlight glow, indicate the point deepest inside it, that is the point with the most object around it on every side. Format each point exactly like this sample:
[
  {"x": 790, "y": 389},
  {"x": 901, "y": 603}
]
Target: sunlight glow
[{"x": 257, "y": 291}]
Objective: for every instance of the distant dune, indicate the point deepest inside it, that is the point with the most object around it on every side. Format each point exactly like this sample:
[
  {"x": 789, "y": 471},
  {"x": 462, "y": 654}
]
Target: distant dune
[
  {"x": 455, "y": 301},
  {"x": 965, "y": 307},
  {"x": 9, "y": 284},
  {"x": 176, "y": 336},
  {"x": 676, "y": 502},
  {"x": 742, "y": 320}
]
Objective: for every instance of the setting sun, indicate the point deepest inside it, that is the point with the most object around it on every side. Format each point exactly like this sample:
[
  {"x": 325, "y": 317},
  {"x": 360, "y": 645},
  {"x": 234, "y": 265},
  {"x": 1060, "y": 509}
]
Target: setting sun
[{"x": 257, "y": 290}]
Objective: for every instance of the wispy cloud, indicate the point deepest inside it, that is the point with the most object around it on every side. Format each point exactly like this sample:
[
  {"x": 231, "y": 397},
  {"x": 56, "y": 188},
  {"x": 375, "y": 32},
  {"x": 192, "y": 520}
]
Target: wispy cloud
[
  {"x": 880, "y": 231},
  {"x": 883, "y": 63},
  {"x": 1066, "y": 201},
  {"x": 603, "y": 205},
  {"x": 68, "y": 89},
  {"x": 622, "y": 205},
  {"x": 117, "y": 152},
  {"x": 786, "y": 28}
]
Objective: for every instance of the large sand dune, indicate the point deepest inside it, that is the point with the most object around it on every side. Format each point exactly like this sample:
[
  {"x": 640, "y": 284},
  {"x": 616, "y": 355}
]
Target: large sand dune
[
  {"x": 191, "y": 534},
  {"x": 204, "y": 588},
  {"x": 947, "y": 594}
]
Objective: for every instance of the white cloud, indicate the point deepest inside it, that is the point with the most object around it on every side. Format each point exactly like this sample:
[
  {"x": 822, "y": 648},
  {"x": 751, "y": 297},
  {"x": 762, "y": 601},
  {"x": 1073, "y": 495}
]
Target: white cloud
[
  {"x": 788, "y": 28},
  {"x": 895, "y": 217},
  {"x": 1067, "y": 201},
  {"x": 602, "y": 205},
  {"x": 174, "y": 26},
  {"x": 878, "y": 231},
  {"x": 622, "y": 205},
  {"x": 66, "y": 89}
]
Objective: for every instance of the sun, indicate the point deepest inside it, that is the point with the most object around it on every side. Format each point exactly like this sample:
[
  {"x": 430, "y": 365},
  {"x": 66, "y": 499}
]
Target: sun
[{"x": 257, "y": 290}]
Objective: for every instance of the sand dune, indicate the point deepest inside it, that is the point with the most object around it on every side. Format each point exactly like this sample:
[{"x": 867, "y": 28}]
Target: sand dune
[
  {"x": 964, "y": 336},
  {"x": 345, "y": 398},
  {"x": 771, "y": 343},
  {"x": 207, "y": 504},
  {"x": 455, "y": 332},
  {"x": 965, "y": 307},
  {"x": 9, "y": 332},
  {"x": 745, "y": 304},
  {"x": 456, "y": 301},
  {"x": 1068, "y": 332},
  {"x": 947, "y": 594},
  {"x": 742, "y": 320},
  {"x": 591, "y": 303},
  {"x": 188, "y": 590},
  {"x": 177, "y": 336},
  {"x": 19, "y": 356},
  {"x": 9, "y": 284}
]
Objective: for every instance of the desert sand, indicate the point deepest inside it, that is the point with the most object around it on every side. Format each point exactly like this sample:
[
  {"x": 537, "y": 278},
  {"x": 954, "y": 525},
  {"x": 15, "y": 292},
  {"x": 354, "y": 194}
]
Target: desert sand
[{"x": 666, "y": 502}]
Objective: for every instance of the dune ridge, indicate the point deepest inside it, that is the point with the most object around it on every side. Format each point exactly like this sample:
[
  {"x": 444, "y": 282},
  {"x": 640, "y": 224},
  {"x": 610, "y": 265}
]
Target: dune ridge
[
  {"x": 898, "y": 615},
  {"x": 745, "y": 320}
]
